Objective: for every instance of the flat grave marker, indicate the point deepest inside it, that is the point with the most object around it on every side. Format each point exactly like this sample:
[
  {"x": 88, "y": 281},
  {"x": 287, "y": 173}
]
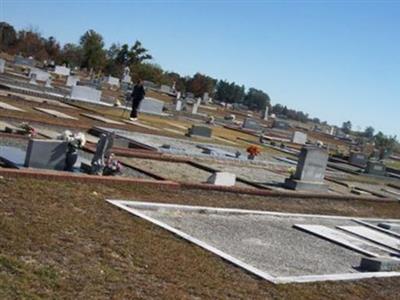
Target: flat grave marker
[
  {"x": 102, "y": 119},
  {"x": 55, "y": 113},
  {"x": 7, "y": 106}
]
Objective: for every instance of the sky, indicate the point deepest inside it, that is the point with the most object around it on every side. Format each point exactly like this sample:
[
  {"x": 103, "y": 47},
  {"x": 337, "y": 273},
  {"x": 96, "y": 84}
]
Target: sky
[{"x": 336, "y": 60}]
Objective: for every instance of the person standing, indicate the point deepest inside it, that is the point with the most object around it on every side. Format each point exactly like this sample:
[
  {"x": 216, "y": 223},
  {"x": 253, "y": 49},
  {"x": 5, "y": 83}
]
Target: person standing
[{"x": 137, "y": 97}]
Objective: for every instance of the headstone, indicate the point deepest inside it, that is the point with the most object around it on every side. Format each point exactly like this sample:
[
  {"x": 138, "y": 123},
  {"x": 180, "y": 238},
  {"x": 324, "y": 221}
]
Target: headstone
[
  {"x": 48, "y": 83},
  {"x": 103, "y": 148},
  {"x": 85, "y": 93},
  {"x": 46, "y": 154},
  {"x": 279, "y": 124},
  {"x": 379, "y": 264},
  {"x": 151, "y": 106},
  {"x": 178, "y": 106},
  {"x": 178, "y": 95},
  {"x": 265, "y": 114},
  {"x": 165, "y": 88},
  {"x": 2, "y": 65},
  {"x": 72, "y": 80},
  {"x": 310, "y": 171},
  {"x": 202, "y": 131},
  {"x": 189, "y": 95},
  {"x": 62, "y": 70},
  {"x": 376, "y": 168},
  {"x": 195, "y": 108},
  {"x": 222, "y": 179},
  {"x": 358, "y": 159},
  {"x": 206, "y": 98},
  {"x": 251, "y": 124},
  {"x": 33, "y": 79},
  {"x": 299, "y": 137},
  {"x": 40, "y": 74},
  {"x": 390, "y": 226},
  {"x": 112, "y": 81},
  {"x": 20, "y": 60}
]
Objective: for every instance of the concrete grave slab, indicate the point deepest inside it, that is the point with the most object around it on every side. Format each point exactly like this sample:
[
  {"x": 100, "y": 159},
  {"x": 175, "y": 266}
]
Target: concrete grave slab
[
  {"x": 222, "y": 178},
  {"x": 374, "y": 236},
  {"x": 136, "y": 123},
  {"x": 55, "y": 113},
  {"x": 85, "y": 93},
  {"x": 263, "y": 243},
  {"x": 102, "y": 119},
  {"x": 7, "y": 106}
]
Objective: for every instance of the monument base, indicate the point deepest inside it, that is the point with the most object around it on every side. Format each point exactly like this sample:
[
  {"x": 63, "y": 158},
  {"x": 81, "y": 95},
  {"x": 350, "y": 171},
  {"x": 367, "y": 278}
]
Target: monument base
[{"x": 299, "y": 185}]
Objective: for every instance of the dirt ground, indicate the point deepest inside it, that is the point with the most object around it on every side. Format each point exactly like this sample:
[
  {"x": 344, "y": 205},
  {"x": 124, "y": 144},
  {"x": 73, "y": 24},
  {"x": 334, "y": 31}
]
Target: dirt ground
[{"x": 62, "y": 240}]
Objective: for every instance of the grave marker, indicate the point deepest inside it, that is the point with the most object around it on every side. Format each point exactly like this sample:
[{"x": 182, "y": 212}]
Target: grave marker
[
  {"x": 2, "y": 65},
  {"x": 358, "y": 159},
  {"x": 151, "y": 106},
  {"x": 40, "y": 74},
  {"x": 251, "y": 124},
  {"x": 299, "y": 137},
  {"x": 198, "y": 130},
  {"x": 46, "y": 154},
  {"x": 376, "y": 168},
  {"x": 85, "y": 93},
  {"x": 72, "y": 80},
  {"x": 62, "y": 70},
  {"x": 282, "y": 125},
  {"x": 222, "y": 179}
]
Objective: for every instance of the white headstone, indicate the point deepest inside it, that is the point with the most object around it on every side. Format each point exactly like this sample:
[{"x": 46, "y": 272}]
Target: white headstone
[
  {"x": 222, "y": 178},
  {"x": 178, "y": 106},
  {"x": 62, "y": 70},
  {"x": 48, "y": 83},
  {"x": 72, "y": 80},
  {"x": 299, "y": 137},
  {"x": 85, "y": 93},
  {"x": 33, "y": 79},
  {"x": 178, "y": 95},
  {"x": 265, "y": 114},
  {"x": 206, "y": 98},
  {"x": 112, "y": 80},
  {"x": 2, "y": 65},
  {"x": 195, "y": 107},
  {"x": 40, "y": 74}
]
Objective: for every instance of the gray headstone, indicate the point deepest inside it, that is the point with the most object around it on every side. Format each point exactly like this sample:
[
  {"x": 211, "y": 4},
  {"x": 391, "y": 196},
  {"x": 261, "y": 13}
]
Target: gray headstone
[
  {"x": 202, "y": 131},
  {"x": 46, "y": 154},
  {"x": 151, "y": 106},
  {"x": 62, "y": 70},
  {"x": 2, "y": 65},
  {"x": 376, "y": 168},
  {"x": 20, "y": 60},
  {"x": 72, "y": 80},
  {"x": 358, "y": 159},
  {"x": 103, "y": 148},
  {"x": 206, "y": 98},
  {"x": 264, "y": 115},
  {"x": 310, "y": 171},
  {"x": 379, "y": 264},
  {"x": 165, "y": 88},
  {"x": 85, "y": 93},
  {"x": 195, "y": 108},
  {"x": 251, "y": 124},
  {"x": 178, "y": 106},
  {"x": 33, "y": 79},
  {"x": 40, "y": 74},
  {"x": 278, "y": 124}
]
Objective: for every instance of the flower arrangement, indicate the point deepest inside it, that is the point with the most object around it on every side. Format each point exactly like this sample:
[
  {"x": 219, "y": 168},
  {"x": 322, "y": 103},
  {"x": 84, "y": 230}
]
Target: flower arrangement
[
  {"x": 28, "y": 129},
  {"x": 253, "y": 151}
]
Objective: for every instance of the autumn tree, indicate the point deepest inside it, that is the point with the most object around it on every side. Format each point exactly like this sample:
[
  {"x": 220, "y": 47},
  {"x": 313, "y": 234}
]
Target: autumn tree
[{"x": 94, "y": 56}]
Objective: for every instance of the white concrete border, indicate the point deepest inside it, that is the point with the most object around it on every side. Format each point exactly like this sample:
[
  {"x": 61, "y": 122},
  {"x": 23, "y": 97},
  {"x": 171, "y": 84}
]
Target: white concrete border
[{"x": 283, "y": 279}]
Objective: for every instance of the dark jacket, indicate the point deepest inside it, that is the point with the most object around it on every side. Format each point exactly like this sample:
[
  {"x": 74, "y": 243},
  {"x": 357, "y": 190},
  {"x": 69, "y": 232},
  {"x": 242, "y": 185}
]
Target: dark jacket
[{"x": 138, "y": 92}]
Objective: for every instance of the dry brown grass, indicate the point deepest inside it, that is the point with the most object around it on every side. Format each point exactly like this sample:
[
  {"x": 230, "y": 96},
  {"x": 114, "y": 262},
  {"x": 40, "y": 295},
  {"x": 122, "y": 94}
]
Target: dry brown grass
[{"x": 62, "y": 240}]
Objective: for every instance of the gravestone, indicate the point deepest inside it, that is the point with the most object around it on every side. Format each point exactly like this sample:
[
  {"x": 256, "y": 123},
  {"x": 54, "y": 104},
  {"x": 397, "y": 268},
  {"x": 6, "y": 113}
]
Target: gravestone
[
  {"x": 178, "y": 106},
  {"x": 264, "y": 115},
  {"x": 222, "y": 179},
  {"x": 72, "y": 80},
  {"x": 165, "y": 88},
  {"x": 251, "y": 124},
  {"x": 126, "y": 77},
  {"x": 20, "y": 60},
  {"x": 112, "y": 81},
  {"x": 299, "y": 137},
  {"x": 375, "y": 168},
  {"x": 48, "y": 83},
  {"x": 62, "y": 70},
  {"x": 85, "y": 93},
  {"x": 379, "y": 264},
  {"x": 206, "y": 98},
  {"x": 103, "y": 149},
  {"x": 40, "y": 74},
  {"x": 310, "y": 171},
  {"x": 46, "y": 154},
  {"x": 2, "y": 65},
  {"x": 282, "y": 125},
  {"x": 195, "y": 108},
  {"x": 189, "y": 96},
  {"x": 358, "y": 159},
  {"x": 33, "y": 79},
  {"x": 199, "y": 130},
  {"x": 151, "y": 106}
]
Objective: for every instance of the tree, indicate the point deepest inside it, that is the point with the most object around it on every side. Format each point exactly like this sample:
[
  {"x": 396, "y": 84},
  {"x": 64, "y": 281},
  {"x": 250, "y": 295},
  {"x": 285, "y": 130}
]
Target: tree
[
  {"x": 200, "y": 84},
  {"x": 71, "y": 55},
  {"x": 30, "y": 43},
  {"x": 229, "y": 92},
  {"x": 94, "y": 56},
  {"x": 146, "y": 71},
  {"x": 52, "y": 48},
  {"x": 346, "y": 127},
  {"x": 138, "y": 54},
  {"x": 369, "y": 132},
  {"x": 8, "y": 36},
  {"x": 257, "y": 100}
]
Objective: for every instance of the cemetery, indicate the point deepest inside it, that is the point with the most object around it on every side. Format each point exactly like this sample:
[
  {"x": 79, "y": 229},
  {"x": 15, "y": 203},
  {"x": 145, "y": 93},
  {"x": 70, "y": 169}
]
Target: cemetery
[{"x": 187, "y": 184}]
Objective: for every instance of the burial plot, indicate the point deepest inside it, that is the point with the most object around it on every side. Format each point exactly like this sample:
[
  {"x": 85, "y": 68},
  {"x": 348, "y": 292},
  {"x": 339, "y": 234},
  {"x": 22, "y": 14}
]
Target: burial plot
[
  {"x": 102, "y": 119},
  {"x": 310, "y": 171},
  {"x": 299, "y": 137},
  {"x": 85, "y": 93},
  {"x": 55, "y": 113},
  {"x": 251, "y": 124},
  {"x": 7, "y": 106},
  {"x": 46, "y": 154},
  {"x": 2, "y": 65},
  {"x": 359, "y": 159},
  {"x": 263, "y": 243},
  {"x": 202, "y": 131},
  {"x": 151, "y": 106},
  {"x": 376, "y": 168},
  {"x": 72, "y": 81}
]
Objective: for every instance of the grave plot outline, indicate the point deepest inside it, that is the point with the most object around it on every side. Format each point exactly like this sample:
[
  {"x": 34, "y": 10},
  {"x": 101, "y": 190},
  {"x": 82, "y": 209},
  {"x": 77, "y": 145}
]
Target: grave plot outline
[{"x": 126, "y": 206}]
